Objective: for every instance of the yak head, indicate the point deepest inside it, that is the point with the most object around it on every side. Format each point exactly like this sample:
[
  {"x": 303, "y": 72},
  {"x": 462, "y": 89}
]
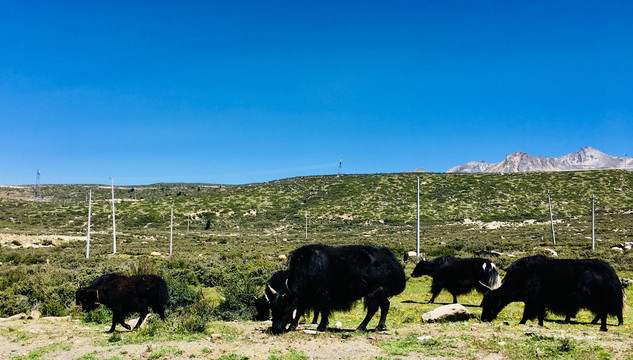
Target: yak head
[
  {"x": 491, "y": 305},
  {"x": 88, "y": 298},
  {"x": 422, "y": 268},
  {"x": 262, "y": 308},
  {"x": 283, "y": 307}
]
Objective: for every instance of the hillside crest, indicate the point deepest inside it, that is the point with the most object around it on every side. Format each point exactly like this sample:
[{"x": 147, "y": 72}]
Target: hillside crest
[{"x": 586, "y": 158}]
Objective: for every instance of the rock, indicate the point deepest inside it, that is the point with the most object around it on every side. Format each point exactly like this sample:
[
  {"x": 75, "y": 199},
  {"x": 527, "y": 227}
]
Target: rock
[
  {"x": 155, "y": 253},
  {"x": 452, "y": 312},
  {"x": 282, "y": 257},
  {"x": 410, "y": 255},
  {"x": 135, "y": 320},
  {"x": 19, "y": 316},
  {"x": 552, "y": 252},
  {"x": 34, "y": 315}
]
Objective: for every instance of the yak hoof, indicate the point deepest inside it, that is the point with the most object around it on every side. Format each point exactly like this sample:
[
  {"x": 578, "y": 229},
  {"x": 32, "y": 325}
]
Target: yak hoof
[{"x": 381, "y": 328}]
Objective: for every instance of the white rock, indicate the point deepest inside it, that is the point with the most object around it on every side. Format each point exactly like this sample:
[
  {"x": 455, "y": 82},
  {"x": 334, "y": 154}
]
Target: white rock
[{"x": 452, "y": 312}]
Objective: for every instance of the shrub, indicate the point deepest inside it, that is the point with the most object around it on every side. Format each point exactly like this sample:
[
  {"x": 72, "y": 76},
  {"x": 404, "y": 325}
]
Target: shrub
[{"x": 239, "y": 299}]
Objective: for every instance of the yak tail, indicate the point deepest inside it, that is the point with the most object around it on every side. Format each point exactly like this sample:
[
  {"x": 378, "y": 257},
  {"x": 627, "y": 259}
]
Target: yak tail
[{"x": 493, "y": 279}]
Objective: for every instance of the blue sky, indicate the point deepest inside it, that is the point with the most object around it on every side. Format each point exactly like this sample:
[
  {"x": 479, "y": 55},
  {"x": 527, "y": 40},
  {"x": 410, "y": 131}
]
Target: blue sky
[{"x": 238, "y": 92}]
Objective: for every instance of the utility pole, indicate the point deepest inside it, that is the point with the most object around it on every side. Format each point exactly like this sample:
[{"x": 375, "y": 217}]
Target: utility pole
[
  {"x": 417, "y": 238},
  {"x": 89, "y": 212},
  {"x": 551, "y": 217},
  {"x": 37, "y": 193},
  {"x": 171, "y": 230},
  {"x": 113, "y": 219},
  {"x": 593, "y": 223}
]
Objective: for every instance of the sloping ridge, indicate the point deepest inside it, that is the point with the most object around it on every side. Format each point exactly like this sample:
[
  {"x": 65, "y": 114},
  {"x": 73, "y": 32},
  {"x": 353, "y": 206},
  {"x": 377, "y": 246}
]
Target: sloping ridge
[{"x": 586, "y": 158}]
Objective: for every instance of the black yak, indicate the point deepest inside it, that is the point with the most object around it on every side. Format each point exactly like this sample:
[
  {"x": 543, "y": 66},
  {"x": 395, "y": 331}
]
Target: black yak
[
  {"x": 561, "y": 285},
  {"x": 458, "y": 275},
  {"x": 262, "y": 304},
  {"x": 124, "y": 295},
  {"x": 330, "y": 278}
]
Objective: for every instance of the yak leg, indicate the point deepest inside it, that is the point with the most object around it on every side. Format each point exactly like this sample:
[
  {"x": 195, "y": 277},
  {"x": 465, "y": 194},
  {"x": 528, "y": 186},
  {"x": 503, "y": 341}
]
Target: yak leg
[
  {"x": 384, "y": 309},
  {"x": 372, "y": 301},
  {"x": 595, "y": 319},
  {"x": 114, "y": 321},
  {"x": 296, "y": 315},
  {"x": 118, "y": 317},
  {"x": 142, "y": 316},
  {"x": 528, "y": 313},
  {"x": 371, "y": 310},
  {"x": 436, "y": 288},
  {"x": 325, "y": 314},
  {"x": 161, "y": 312},
  {"x": 454, "y": 298},
  {"x": 315, "y": 317},
  {"x": 603, "y": 322}
]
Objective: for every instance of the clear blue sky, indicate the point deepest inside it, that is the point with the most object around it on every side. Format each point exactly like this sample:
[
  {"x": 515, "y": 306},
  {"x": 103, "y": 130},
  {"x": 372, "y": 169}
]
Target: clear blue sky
[{"x": 238, "y": 92}]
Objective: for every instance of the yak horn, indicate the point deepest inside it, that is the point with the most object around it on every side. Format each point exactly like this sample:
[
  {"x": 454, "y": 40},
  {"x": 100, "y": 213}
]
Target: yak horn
[
  {"x": 287, "y": 287},
  {"x": 486, "y": 286},
  {"x": 271, "y": 290}
]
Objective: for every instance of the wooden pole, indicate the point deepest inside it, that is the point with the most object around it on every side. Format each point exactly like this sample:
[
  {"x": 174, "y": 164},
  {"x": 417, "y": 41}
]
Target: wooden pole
[
  {"x": 171, "y": 231},
  {"x": 551, "y": 217},
  {"x": 417, "y": 238},
  {"x": 593, "y": 223},
  {"x": 113, "y": 219},
  {"x": 89, "y": 212}
]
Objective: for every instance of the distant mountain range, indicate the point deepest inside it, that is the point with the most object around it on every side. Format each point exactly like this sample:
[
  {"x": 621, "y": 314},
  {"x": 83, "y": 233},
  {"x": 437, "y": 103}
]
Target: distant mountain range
[{"x": 584, "y": 159}]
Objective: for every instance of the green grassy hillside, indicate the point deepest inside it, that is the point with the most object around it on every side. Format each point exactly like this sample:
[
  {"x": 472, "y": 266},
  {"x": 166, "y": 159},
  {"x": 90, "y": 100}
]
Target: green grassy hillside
[{"x": 227, "y": 239}]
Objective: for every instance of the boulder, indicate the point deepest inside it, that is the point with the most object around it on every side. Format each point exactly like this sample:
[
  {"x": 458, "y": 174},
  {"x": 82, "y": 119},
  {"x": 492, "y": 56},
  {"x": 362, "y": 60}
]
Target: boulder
[
  {"x": 34, "y": 315},
  {"x": 451, "y": 312}
]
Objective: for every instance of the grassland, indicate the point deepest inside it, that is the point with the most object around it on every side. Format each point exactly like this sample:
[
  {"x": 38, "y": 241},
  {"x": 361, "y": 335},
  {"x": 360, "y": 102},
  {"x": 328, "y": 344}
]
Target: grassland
[{"x": 227, "y": 241}]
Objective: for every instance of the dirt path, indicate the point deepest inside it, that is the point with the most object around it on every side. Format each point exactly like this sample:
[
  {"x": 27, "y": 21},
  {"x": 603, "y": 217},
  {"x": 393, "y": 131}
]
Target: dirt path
[{"x": 64, "y": 338}]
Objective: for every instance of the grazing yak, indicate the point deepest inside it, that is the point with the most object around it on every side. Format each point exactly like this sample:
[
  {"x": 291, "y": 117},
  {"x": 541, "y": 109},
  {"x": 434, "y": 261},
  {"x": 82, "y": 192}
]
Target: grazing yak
[
  {"x": 276, "y": 282},
  {"x": 561, "y": 285},
  {"x": 124, "y": 295},
  {"x": 332, "y": 278},
  {"x": 458, "y": 275}
]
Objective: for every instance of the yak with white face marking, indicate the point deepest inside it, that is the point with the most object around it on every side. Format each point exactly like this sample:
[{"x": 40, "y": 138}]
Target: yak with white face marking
[
  {"x": 563, "y": 286},
  {"x": 458, "y": 275},
  {"x": 332, "y": 278},
  {"x": 276, "y": 283}
]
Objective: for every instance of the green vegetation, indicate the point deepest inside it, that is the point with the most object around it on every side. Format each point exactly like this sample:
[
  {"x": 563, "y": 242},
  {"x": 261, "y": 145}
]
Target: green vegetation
[
  {"x": 227, "y": 241},
  {"x": 41, "y": 352}
]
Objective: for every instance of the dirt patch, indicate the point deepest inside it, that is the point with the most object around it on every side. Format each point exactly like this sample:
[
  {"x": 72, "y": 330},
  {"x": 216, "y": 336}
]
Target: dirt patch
[
  {"x": 33, "y": 241},
  {"x": 64, "y": 338}
]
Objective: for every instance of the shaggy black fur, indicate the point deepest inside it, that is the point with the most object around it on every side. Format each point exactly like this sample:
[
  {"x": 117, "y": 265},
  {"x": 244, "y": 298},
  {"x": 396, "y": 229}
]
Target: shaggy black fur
[
  {"x": 458, "y": 275},
  {"x": 330, "y": 278},
  {"x": 561, "y": 285},
  {"x": 124, "y": 295}
]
